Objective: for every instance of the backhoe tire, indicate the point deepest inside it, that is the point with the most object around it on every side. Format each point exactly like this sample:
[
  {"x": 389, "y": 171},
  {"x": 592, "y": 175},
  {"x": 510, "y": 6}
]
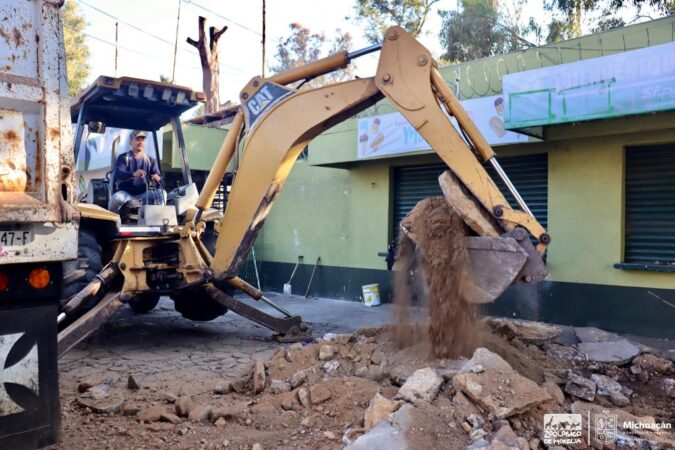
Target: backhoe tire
[
  {"x": 198, "y": 306},
  {"x": 79, "y": 272},
  {"x": 144, "y": 303}
]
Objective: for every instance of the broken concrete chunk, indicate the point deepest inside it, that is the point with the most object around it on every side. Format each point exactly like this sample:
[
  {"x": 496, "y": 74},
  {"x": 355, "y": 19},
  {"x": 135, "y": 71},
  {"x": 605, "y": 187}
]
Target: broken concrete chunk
[
  {"x": 615, "y": 352},
  {"x": 298, "y": 378},
  {"x": 580, "y": 387},
  {"x": 331, "y": 366},
  {"x": 669, "y": 387},
  {"x": 388, "y": 434},
  {"x": 199, "y": 413},
  {"x": 619, "y": 399},
  {"x": 476, "y": 420},
  {"x": 532, "y": 332},
  {"x": 303, "y": 397},
  {"x": 222, "y": 388},
  {"x": 487, "y": 360},
  {"x": 343, "y": 339},
  {"x": 505, "y": 435},
  {"x": 326, "y": 352},
  {"x": 651, "y": 362},
  {"x": 152, "y": 414},
  {"x": 97, "y": 392},
  {"x": 592, "y": 334},
  {"x": 361, "y": 372},
  {"x": 423, "y": 384},
  {"x": 224, "y": 412},
  {"x": 378, "y": 410},
  {"x": 184, "y": 405},
  {"x": 377, "y": 357},
  {"x": 171, "y": 418},
  {"x": 605, "y": 386},
  {"x": 258, "y": 377},
  {"x": 554, "y": 391},
  {"x": 499, "y": 389},
  {"x": 279, "y": 386},
  {"x": 564, "y": 352},
  {"x": 318, "y": 394},
  {"x": 92, "y": 381},
  {"x": 479, "y": 445}
]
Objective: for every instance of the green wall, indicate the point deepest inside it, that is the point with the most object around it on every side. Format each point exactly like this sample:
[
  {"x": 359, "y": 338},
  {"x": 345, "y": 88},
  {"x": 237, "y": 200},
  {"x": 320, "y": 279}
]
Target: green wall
[
  {"x": 343, "y": 215},
  {"x": 336, "y": 214}
]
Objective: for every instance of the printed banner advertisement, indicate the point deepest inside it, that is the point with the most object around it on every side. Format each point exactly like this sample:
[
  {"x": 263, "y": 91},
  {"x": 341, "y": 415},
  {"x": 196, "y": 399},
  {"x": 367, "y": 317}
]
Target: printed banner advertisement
[
  {"x": 632, "y": 82},
  {"x": 391, "y": 134}
]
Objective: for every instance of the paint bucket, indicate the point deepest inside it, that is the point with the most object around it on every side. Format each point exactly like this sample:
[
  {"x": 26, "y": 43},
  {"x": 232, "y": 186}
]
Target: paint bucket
[{"x": 371, "y": 294}]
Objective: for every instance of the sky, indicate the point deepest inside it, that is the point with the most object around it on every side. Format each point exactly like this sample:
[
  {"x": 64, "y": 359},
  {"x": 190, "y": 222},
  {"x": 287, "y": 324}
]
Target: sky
[{"x": 147, "y": 32}]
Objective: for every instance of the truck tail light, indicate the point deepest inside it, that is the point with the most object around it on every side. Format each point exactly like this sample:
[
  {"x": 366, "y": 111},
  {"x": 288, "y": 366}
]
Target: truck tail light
[
  {"x": 39, "y": 278},
  {"x": 4, "y": 282}
]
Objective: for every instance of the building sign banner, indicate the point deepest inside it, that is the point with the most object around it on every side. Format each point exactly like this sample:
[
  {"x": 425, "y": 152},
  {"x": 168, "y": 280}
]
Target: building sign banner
[
  {"x": 391, "y": 134},
  {"x": 632, "y": 82}
]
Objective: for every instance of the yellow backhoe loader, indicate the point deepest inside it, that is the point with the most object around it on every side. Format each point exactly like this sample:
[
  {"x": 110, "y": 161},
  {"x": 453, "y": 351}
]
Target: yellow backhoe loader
[{"x": 274, "y": 124}]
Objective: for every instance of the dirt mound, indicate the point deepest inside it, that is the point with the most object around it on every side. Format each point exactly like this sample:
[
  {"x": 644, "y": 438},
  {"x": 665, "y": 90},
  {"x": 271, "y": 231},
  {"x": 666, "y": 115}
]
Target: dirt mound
[{"x": 433, "y": 263}]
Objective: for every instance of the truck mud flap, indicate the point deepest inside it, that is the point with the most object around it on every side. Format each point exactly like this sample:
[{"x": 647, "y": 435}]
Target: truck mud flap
[{"x": 29, "y": 389}]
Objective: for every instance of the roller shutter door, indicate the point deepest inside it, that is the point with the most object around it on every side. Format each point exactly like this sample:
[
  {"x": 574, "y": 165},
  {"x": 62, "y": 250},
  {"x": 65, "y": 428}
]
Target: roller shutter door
[
  {"x": 650, "y": 205},
  {"x": 528, "y": 173}
]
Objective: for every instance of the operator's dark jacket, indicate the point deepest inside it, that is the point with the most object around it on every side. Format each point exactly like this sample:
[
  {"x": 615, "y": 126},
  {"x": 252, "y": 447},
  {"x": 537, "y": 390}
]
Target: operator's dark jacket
[{"x": 127, "y": 164}]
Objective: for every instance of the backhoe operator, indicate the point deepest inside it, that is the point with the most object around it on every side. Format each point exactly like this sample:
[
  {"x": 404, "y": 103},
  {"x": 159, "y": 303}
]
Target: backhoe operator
[{"x": 131, "y": 173}]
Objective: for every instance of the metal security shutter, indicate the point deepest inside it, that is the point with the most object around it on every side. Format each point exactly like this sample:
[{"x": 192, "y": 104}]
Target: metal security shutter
[
  {"x": 529, "y": 174},
  {"x": 650, "y": 204}
]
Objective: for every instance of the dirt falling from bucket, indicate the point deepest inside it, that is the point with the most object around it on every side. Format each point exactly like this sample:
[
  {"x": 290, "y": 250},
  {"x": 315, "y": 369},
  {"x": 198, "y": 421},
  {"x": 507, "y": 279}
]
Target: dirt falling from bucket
[{"x": 433, "y": 262}]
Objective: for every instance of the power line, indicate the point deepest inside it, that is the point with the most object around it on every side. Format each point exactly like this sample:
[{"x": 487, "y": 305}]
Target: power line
[
  {"x": 244, "y": 27},
  {"x": 189, "y": 50},
  {"x": 146, "y": 55}
]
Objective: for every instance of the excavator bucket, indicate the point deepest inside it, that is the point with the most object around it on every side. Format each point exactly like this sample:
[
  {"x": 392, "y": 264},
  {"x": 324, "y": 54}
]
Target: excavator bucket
[
  {"x": 488, "y": 265},
  {"x": 494, "y": 263}
]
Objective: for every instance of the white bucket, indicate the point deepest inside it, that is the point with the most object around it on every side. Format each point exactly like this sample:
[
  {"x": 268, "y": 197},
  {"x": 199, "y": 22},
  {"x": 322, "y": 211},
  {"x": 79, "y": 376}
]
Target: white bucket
[{"x": 371, "y": 294}]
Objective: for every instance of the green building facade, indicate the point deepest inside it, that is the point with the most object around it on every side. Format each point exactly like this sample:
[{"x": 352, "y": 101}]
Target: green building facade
[{"x": 605, "y": 188}]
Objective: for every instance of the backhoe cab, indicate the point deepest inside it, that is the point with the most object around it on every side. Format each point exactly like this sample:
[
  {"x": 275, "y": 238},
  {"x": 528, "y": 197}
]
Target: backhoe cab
[{"x": 133, "y": 104}]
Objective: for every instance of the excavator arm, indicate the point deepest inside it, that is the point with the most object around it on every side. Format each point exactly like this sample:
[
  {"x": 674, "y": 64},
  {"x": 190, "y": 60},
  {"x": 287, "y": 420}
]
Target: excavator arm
[{"x": 277, "y": 122}]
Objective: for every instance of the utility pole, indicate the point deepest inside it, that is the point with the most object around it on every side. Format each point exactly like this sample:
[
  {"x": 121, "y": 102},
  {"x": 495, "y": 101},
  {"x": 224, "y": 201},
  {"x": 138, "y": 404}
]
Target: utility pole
[
  {"x": 175, "y": 47},
  {"x": 263, "y": 39},
  {"x": 117, "y": 26}
]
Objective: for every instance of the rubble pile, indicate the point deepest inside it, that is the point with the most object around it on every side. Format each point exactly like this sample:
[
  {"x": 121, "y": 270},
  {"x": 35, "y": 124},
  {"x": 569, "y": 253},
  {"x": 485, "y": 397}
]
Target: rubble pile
[{"x": 362, "y": 391}]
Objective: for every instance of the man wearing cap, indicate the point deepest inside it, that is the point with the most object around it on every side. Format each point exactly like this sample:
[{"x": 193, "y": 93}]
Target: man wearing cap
[{"x": 132, "y": 171}]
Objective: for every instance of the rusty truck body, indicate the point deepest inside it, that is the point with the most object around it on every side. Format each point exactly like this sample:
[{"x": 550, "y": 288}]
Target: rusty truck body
[{"x": 38, "y": 222}]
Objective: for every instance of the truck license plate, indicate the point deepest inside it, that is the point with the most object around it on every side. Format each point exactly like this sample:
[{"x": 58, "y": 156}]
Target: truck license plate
[{"x": 16, "y": 237}]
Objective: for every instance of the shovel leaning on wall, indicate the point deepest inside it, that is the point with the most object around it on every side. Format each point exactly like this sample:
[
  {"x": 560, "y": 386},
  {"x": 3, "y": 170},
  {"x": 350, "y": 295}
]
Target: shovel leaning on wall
[{"x": 288, "y": 286}]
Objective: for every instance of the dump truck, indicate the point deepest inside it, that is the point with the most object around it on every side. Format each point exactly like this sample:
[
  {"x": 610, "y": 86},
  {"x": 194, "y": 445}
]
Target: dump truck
[
  {"x": 38, "y": 221},
  {"x": 175, "y": 255}
]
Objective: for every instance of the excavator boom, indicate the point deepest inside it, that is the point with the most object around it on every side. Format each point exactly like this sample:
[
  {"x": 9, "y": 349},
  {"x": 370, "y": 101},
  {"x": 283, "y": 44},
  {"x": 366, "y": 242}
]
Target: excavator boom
[{"x": 277, "y": 122}]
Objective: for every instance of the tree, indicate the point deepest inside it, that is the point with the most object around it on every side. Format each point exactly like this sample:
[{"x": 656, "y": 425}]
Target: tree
[
  {"x": 208, "y": 56},
  {"x": 303, "y": 47},
  {"x": 77, "y": 52},
  {"x": 571, "y": 17},
  {"x": 473, "y": 32},
  {"x": 378, "y": 15}
]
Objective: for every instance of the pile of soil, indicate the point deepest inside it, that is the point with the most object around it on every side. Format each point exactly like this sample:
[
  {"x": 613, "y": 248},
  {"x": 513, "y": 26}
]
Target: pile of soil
[{"x": 340, "y": 376}]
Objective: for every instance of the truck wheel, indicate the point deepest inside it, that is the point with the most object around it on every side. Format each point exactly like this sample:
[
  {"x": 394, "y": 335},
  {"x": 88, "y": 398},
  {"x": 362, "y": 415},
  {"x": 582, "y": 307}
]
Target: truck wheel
[
  {"x": 197, "y": 305},
  {"x": 79, "y": 272},
  {"x": 142, "y": 304}
]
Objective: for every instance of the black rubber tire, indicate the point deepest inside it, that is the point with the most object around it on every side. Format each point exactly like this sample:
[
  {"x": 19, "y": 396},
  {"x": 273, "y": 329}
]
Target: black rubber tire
[
  {"x": 142, "y": 304},
  {"x": 197, "y": 305},
  {"x": 88, "y": 264}
]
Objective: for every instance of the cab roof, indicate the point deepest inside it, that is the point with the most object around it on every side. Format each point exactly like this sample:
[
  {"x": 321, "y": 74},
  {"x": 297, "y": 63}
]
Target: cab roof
[{"x": 133, "y": 103}]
